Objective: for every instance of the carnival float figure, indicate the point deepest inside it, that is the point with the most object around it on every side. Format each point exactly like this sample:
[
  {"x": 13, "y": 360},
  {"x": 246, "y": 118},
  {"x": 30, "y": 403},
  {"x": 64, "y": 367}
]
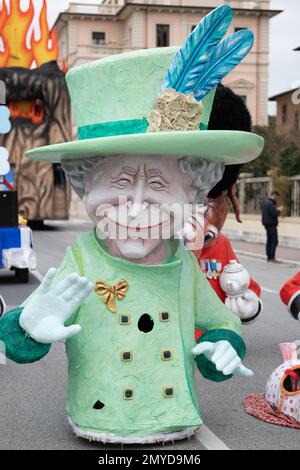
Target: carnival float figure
[
  {"x": 39, "y": 106},
  {"x": 290, "y": 296},
  {"x": 128, "y": 295},
  {"x": 212, "y": 247},
  {"x": 280, "y": 404}
]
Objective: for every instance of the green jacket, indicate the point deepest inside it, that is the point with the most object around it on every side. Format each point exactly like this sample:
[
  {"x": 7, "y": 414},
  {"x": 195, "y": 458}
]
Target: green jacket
[{"x": 145, "y": 380}]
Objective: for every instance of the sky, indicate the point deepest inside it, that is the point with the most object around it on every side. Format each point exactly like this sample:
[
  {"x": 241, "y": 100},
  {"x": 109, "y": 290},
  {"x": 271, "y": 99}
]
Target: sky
[{"x": 284, "y": 72}]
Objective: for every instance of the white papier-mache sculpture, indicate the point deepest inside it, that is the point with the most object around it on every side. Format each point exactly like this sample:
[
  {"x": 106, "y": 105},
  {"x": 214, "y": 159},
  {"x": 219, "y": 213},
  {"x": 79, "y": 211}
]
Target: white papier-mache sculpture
[
  {"x": 283, "y": 387},
  {"x": 235, "y": 281},
  {"x": 128, "y": 295}
]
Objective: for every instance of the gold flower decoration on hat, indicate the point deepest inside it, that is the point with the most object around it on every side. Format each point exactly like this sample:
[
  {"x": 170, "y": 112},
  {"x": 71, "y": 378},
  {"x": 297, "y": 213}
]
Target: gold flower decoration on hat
[{"x": 174, "y": 111}]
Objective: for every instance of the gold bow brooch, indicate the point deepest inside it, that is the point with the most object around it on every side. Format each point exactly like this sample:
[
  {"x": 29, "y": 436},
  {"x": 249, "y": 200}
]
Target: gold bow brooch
[{"x": 111, "y": 293}]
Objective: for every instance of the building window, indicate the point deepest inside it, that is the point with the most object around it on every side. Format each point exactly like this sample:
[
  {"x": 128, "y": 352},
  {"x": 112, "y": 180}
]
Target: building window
[
  {"x": 284, "y": 114},
  {"x": 162, "y": 35},
  {"x": 98, "y": 38},
  {"x": 296, "y": 122},
  {"x": 244, "y": 98},
  {"x": 193, "y": 27},
  {"x": 238, "y": 28}
]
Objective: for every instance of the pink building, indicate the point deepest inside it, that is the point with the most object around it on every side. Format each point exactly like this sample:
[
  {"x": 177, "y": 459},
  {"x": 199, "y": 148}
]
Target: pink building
[
  {"x": 288, "y": 112},
  {"x": 88, "y": 32}
]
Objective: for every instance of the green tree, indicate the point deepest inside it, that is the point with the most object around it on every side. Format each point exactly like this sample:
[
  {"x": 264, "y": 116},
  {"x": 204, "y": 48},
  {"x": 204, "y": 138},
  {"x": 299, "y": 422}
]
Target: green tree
[
  {"x": 290, "y": 160},
  {"x": 279, "y": 152},
  {"x": 271, "y": 155}
]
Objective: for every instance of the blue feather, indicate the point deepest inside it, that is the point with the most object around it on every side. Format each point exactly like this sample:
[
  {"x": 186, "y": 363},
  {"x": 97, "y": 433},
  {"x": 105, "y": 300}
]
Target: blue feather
[
  {"x": 225, "y": 57},
  {"x": 191, "y": 60}
]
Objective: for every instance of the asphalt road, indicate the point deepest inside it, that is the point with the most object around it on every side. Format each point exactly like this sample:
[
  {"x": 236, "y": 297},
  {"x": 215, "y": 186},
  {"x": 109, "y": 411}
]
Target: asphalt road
[{"x": 32, "y": 397}]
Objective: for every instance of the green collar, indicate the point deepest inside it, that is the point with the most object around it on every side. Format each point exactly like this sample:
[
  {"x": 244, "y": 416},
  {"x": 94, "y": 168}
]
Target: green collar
[{"x": 174, "y": 249}]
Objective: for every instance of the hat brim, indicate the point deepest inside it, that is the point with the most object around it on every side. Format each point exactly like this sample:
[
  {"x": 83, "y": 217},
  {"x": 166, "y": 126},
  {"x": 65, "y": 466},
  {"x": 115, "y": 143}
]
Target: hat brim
[{"x": 229, "y": 147}]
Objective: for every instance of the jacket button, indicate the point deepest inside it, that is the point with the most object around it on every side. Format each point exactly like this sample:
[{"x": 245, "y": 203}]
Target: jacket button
[
  {"x": 126, "y": 356},
  {"x": 164, "y": 316},
  {"x": 169, "y": 392},
  {"x": 128, "y": 394},
  {"x": 166, "y": 355},
  {"x": 124, "y": 319}
]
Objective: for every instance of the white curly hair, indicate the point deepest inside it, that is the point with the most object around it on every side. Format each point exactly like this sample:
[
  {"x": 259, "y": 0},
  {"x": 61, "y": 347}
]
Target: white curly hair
[{"x": 205, "y": 173}]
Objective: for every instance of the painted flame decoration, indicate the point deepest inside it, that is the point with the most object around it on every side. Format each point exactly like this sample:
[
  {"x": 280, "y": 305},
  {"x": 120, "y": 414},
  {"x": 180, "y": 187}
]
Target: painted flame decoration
[{"x": 14, "y": 30}]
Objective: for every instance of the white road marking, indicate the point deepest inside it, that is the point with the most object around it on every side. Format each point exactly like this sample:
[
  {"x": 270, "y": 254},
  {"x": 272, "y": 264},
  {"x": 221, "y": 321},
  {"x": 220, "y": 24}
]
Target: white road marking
[
  {"x": 39, "y": 276},
  {"x": 270, "y": 291},
  {"x": 210, "y": 441},
  {"x": 248, "y": 254},
  {"x": 262, "y": 258}
]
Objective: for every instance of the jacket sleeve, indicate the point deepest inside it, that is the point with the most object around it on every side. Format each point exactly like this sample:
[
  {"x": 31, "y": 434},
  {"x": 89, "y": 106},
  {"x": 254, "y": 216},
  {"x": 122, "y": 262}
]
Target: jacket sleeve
[
  {"x": 272, "y": 210},
  {"x": 255, "y": 287},
  {"x": 19, "y": 347},
  {"x": 218, "y": 324}
]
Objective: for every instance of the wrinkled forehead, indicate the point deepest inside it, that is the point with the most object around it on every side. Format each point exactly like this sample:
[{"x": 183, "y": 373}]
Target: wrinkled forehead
[{"x": 133, "y": 164}]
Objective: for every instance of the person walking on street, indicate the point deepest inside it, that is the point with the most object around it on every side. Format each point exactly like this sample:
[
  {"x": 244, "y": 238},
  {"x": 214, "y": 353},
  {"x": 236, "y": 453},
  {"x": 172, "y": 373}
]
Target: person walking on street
[{"x": 270, "y": 214}]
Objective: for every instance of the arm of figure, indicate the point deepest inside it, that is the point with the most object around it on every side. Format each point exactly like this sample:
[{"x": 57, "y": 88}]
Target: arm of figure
[
  {"x": 290, "y": 296},
  {"x": 20, "y": 346},
  {"x": 248, "y": 306},
  {"x": 45, "y": 314},
  {"x": 253, "y": 286},
  {"x": 294, "y": 307},
  {"x": 222, "y": 347},
  {"x": 224, "y": 357}
]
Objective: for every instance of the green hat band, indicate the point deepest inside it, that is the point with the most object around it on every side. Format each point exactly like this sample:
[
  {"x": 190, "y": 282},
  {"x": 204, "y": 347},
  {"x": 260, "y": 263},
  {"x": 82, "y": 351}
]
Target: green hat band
[
  {"x": 114, "y": 128},
  {"x": 108, "y": 129}
]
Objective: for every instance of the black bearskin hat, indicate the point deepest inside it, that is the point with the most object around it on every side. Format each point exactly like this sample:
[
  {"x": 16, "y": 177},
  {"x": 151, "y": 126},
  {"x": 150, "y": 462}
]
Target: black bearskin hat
[{"x": 229, "y": 112}]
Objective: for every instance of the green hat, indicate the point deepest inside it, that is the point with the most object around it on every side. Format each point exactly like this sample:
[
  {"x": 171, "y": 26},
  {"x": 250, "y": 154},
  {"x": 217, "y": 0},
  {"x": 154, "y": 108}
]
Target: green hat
[{"x": 112, "y": 99}]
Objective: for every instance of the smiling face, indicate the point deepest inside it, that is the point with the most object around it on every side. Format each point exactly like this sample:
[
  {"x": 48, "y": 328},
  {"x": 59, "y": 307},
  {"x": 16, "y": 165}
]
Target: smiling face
[{"x": 138, "y": 200}]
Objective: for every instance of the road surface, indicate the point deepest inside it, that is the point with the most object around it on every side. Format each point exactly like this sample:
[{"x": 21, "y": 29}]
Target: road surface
[{"x": 32, "y": 412}]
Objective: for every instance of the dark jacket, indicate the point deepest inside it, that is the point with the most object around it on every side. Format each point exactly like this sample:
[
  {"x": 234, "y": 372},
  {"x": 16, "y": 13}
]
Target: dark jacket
[{"x": 269, "y": 212}]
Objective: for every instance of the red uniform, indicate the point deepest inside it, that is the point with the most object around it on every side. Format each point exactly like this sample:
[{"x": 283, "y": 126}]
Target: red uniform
[
  {"x": 222, "y": 253},
  {"x": 290, "y": 295}
]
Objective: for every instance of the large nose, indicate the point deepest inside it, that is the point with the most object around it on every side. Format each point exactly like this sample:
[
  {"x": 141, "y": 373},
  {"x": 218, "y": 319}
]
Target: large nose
[{"x": 137, "y": 202}]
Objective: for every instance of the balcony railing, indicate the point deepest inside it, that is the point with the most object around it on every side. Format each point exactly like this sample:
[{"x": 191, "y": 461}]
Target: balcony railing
[
  {"x": 91, "y": 52},
  {"x": 91, "y": 8},
  {"x": 247, "y": 4}
]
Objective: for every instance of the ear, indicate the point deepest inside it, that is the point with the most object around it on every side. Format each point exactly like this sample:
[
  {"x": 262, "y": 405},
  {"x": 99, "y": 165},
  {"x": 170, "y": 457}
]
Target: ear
[
  {"x": 191, "y": 194},
  {"x": 87, "y": 186}
]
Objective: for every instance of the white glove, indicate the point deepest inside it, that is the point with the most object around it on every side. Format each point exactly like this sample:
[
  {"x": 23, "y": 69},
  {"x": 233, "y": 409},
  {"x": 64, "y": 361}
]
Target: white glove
[
  {"x": 224, "y": 356},
  {"x": 247, "y": 306},
  {"x": 44, "y": 316}
]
